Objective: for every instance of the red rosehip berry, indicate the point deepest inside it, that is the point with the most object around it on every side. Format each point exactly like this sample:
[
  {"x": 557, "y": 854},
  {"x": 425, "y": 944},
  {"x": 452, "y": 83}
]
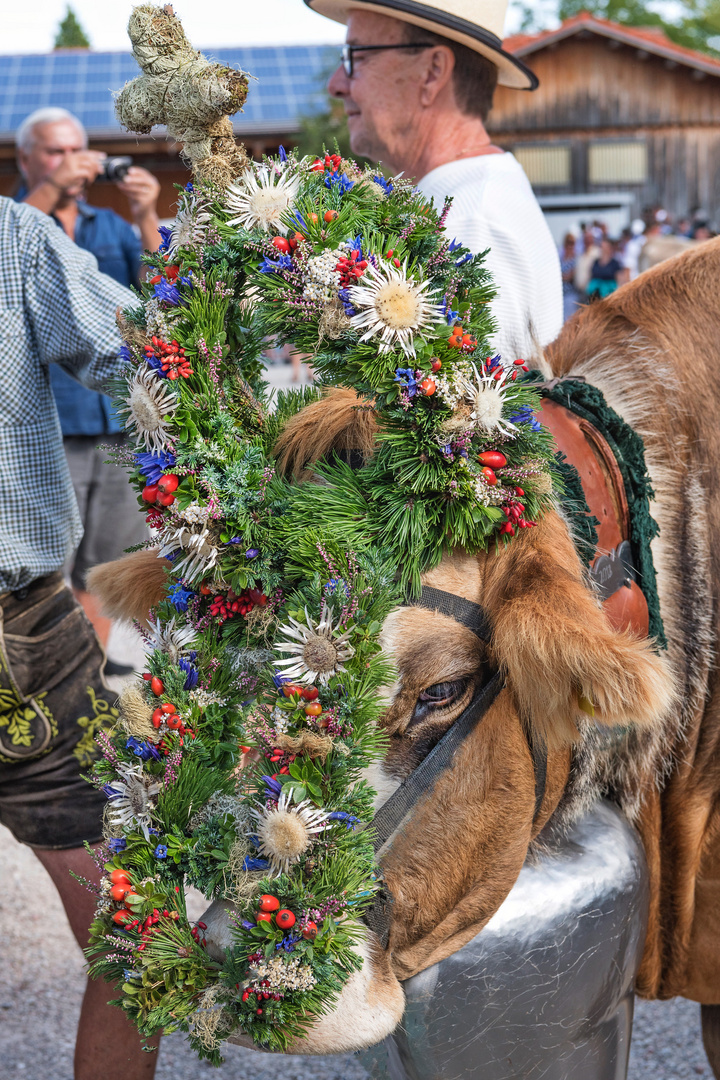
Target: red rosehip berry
[
  {"x": 168, "y": 483},
  {"x": 281, "y": 244},
  {"x": 285, "y": 919},
  {"x": 150, "y": 493},
  {"x": 157, "y": 686}
]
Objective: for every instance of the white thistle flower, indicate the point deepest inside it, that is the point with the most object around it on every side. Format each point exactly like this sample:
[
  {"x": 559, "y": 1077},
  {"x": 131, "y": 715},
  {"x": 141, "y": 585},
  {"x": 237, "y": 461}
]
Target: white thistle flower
[
  {"x": 169, "y": 638},
  {"x": 199, "y": 555},
  {"x": 260, "y": 198},
  {"x": 486, "y": 397},
  {"x": 130, "y": 798},
  {"x": 318, "y": 650},
  {"x": 150, "y": 401},
  {"x": 393, "y": 307},
  {"x": 286, "y": 831},
  {"x": 189, "y": 227}
]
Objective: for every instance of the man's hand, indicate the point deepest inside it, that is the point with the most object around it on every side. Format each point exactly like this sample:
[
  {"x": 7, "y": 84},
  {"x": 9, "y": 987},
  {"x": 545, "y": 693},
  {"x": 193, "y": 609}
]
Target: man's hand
[
  {"x": 75, "y": 172},
  {"x": 141, "y": 190}
]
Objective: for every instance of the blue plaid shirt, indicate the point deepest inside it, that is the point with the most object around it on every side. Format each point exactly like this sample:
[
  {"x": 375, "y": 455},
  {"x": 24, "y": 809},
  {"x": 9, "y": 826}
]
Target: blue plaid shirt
[{"x": 55, "y": 307}]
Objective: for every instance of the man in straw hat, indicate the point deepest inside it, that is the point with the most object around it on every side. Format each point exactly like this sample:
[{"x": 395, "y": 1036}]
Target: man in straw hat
[{"x": 417, "y": 81}]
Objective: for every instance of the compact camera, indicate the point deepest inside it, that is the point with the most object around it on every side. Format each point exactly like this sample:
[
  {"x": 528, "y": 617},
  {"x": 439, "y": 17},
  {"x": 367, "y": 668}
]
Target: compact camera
[{"x": 115, "y": 168}]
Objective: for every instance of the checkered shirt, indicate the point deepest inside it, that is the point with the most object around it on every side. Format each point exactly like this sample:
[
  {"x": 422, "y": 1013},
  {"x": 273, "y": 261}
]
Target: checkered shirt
[{"x": 55, "y": 307}]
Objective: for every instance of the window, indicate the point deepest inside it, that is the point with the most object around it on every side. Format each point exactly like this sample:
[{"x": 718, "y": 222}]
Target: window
[
  {"x": 617, "y": 163},
  {"x": 545, "y": 166}
]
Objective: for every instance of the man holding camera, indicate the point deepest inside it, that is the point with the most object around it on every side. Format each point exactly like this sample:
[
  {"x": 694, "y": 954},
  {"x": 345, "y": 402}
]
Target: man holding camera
[{"x": 57, "y": 168}]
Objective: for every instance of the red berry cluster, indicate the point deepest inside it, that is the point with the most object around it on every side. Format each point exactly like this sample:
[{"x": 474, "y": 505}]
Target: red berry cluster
[
  {"x": 330, "y": 161},
  {"x": 195, "y": 931},
  {"x": 150, "y": 925},
  {"x": 515, "y": 513},
  {"x": 230, "y": 605},
  {"x": 171, "y": 356},
  {"x": 163, "y": 491},
  {"x": 496, "y": 370},
  {"x": 351, "y": 268},
  {"x": 389, "y": 255}
]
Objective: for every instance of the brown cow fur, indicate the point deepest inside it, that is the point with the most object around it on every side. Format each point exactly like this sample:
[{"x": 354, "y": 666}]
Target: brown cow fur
[
  {"x": 652, "y": 349},
  {"x": 127, "y": 588}
]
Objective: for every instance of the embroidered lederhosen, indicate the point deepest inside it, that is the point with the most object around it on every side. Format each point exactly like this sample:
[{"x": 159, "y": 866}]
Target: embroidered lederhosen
[{"x": 53, "y": 700}]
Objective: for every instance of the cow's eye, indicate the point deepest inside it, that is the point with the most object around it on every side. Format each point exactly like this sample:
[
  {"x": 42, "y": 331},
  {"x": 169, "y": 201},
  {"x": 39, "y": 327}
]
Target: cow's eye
[{"x": 443, "y": 693}]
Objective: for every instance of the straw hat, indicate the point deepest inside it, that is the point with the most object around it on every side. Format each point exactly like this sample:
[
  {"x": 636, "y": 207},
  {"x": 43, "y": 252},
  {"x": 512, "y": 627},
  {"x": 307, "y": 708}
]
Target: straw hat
[{"x": 478, "y": 24}]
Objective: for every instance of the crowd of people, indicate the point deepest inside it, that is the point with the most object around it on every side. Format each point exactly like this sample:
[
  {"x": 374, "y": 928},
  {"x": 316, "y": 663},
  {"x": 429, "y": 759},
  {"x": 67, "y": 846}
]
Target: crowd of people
[{"x": 593, "y": 263}]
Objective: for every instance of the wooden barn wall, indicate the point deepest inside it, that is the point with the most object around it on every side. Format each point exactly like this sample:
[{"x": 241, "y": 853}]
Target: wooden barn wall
[
  {"x": 587, "y": 83},
  {"x": 590, "y": 92}
]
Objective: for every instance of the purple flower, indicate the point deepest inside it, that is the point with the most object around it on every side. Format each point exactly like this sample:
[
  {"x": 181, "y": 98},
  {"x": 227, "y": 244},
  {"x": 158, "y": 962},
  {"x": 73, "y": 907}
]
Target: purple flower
[
  {"x": 155, "y": 363},
  {"x": 125, "y": 355},
  {"x": 167, "y": 293},
  {"x": 191, "y": 674},
  {"x": 278, "y": 680},
  {"x": 525, "y": 415},
  {"x": 117, "y": 845},
  {"x": 273, "y": 266},
  {"x": 454, "y": 245},
  {"x": 407, "y": 380},
  {"x": 340, "y": 815},
  {"x": 145, "y": 751},
  {"x": 152, "y": 466},
  {"x": 463, "y": 259},
  {"x": 252, "y": 553},
  {"x": 281, "y": 153},
  {"x": 165, "y": 232},
  {"x": 160, "y": 851},
  {"x": 344, "y": 297},
  {"x": 189, "y": 186},
  {"x": 273, "y": 787},
  {"x": 339, "y": 180},
  {"x": 247, "y": 925},
  {"x": 255, "y": 864}
]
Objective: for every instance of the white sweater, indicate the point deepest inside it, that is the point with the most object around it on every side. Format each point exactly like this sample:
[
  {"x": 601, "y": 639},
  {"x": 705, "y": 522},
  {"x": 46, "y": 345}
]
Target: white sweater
[{"x": 494, "y": 207}]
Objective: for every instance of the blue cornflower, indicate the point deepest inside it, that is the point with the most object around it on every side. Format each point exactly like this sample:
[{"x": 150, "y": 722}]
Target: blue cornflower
[
  {"x": 191, "y": 674},
  {"x": 167, "y": 293},
  {"x": 454, "y": 244},
  {"x": 281, "y": 153},
  {"x": 117, "y": 845},
  {"x": 384, "y": 184},
  {"x": 340, "y": 815},
  {"x": 252, "y": 553},
  {"x": 160, "y": 851},
  {"x": 189, "y": 186},
  {"x": 152, "y": 466},
  {"x": 255, "y": 864},
  {"x": 165, "y": 232},
  {"x": 525, "y": 415},
  {"x": 273, "y": 266},
  {"x": 179, "y": 596},
  {"x": 407, "y": 380}
]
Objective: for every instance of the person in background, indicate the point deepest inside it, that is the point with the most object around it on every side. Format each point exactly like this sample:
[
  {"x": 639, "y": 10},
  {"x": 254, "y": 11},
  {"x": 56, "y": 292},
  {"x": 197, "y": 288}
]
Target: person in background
[
  {"x": 607, "y": 271},
  {"x": 57, "y": 168},
  {"x": 701, "y": 231},
  {"x": 584, "y": 263},
  {"x": 417, "y": 83},
  {"x": 568, "y": 260},
  {"x": 634, "y": 246},
  {"x": 57, "y": 309}
]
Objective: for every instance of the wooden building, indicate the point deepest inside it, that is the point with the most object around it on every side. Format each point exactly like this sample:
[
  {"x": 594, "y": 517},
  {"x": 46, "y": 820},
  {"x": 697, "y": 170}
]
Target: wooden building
[{"x": 623, "y": 119}]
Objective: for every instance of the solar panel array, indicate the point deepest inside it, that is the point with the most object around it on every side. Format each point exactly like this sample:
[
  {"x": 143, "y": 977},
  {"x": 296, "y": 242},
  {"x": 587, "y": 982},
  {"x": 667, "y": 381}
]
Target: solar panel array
[{"x": 290, "y": 84}]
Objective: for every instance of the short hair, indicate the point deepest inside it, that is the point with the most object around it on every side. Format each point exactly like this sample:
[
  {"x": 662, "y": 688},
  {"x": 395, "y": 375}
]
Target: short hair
[
  {"x": 24, "y": 134},
  {"x": 474, "y": 77}
]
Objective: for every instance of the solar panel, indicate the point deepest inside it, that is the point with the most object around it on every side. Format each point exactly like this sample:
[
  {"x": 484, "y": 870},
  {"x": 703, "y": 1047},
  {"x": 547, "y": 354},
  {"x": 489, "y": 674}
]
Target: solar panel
[{"x": 289, "y": 85}]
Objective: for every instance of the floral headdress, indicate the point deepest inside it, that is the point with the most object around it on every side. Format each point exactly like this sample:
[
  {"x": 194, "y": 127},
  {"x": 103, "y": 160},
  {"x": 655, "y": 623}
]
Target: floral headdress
[{"x": 265, "y": 650}]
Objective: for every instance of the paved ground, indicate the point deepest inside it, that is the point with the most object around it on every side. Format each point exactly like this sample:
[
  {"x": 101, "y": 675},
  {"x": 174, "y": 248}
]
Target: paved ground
[{"x": 41, "y": 983}]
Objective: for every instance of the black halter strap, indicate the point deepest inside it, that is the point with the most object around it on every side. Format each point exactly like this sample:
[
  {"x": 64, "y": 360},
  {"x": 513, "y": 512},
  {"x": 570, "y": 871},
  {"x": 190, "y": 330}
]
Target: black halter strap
[{"x": 395, "y": 809}]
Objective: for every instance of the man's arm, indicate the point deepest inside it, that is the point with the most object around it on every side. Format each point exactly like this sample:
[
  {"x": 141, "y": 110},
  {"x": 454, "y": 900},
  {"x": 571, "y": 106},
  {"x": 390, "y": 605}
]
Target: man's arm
[
  {"x": 71, "y": 304},
  {"x": 141, "y": 190}
]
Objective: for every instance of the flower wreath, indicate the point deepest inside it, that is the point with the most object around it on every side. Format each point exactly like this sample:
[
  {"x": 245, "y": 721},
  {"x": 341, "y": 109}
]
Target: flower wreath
[{"x": 265, "y": 650}]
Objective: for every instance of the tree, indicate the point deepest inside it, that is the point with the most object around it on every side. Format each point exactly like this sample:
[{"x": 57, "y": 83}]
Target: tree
[
  {"x": 692, "y": 23},
  {"x": 70, "y": 33}
]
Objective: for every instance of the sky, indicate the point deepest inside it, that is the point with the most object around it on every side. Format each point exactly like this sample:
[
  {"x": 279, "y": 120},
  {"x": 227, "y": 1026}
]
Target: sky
[{"x": 29, "y": 26}]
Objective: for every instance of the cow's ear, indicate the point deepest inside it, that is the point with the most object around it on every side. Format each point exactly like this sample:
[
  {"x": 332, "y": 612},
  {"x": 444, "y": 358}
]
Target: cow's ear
[
  {"x": 127, "y": 588},
  {"x": 561, "y": 657}
]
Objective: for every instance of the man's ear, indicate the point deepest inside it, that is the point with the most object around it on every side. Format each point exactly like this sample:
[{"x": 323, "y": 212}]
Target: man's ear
[
  {"x": 561, "y": 656},
  {"x": 438, "y": 72}
]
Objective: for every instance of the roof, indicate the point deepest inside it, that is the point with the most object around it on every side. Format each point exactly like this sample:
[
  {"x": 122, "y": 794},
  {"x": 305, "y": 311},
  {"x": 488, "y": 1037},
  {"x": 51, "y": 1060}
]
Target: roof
[
  {"x": 649, "y": 39},
  {"x": 290, "y": 84}
]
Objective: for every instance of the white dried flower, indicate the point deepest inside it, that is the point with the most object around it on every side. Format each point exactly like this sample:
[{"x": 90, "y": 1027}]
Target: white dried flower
[
  {"x": 393, "y": 307},
  {"x": 189, "y": 227},
  {"x": 285, "y": 831},
  {"x": 131, "y": 799},
  {"x": 199, "y": 554},
  {"x": 261, "y": 197},
  {"x": 318, "y": 649},
  {"x": 486, "y": 397},
  {"x": 150, "y": 401},
  {"x": 169, "y": 638}
]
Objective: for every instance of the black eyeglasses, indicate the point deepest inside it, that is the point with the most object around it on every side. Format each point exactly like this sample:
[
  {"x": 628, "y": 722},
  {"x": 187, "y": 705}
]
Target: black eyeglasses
[{"x": 349, "y": 50}]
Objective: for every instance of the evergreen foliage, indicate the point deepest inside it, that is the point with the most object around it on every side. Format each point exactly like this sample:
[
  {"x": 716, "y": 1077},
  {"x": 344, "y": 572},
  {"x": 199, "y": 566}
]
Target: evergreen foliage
[{"x": 70, "y": 33}]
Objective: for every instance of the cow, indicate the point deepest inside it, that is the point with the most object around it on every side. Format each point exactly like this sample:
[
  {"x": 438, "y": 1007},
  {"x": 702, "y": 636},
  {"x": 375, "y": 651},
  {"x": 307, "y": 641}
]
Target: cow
[{"x": 650, "y": 349}]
